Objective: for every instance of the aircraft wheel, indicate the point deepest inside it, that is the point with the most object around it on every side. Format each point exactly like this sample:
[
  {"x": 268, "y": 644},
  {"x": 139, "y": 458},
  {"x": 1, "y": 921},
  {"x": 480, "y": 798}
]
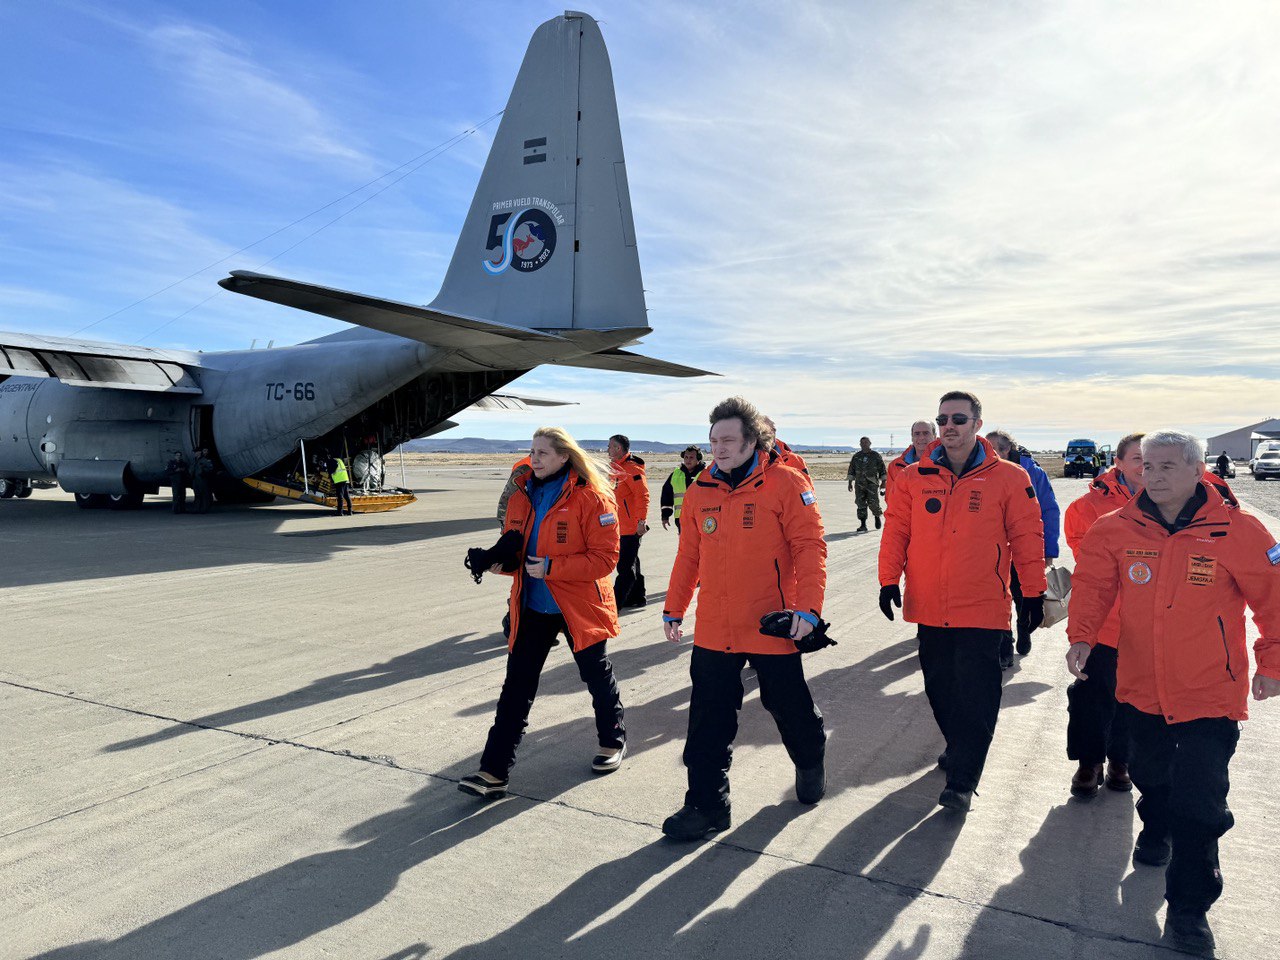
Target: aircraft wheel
[
  {"x": 125, "y": 501},
  {"x": 24, "y": 492},
  {"x": 7, "y": 488},
  {"x": 91, "y": 501}
]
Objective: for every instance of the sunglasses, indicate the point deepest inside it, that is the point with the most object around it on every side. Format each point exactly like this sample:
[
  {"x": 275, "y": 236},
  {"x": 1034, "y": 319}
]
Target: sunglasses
[{"x": 959, "y": 419}]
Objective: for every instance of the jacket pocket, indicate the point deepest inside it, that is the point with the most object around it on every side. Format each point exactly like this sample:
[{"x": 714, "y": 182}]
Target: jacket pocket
[
  {"x": 777, "y": 572},
  {"x": 1004, "y": 587},
  {"x": 1226, "y": 650}
]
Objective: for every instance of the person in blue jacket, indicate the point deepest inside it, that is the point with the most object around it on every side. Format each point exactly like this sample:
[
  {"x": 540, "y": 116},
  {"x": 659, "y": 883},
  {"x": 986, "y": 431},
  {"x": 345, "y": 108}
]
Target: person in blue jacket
[{"x": 1011, "y": 450}]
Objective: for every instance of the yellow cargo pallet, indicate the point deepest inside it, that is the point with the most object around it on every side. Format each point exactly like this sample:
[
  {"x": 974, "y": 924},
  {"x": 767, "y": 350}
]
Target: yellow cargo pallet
[{"x": 360, "y": 503}]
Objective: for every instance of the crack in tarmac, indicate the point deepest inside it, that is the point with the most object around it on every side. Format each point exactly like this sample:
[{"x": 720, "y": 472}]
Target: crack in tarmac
[{"x": 904, "y": 889}]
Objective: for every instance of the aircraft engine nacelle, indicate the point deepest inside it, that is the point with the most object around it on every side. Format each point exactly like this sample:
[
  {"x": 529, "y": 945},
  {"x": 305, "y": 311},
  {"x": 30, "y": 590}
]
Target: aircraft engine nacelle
[{"x": 273, "y": 398}]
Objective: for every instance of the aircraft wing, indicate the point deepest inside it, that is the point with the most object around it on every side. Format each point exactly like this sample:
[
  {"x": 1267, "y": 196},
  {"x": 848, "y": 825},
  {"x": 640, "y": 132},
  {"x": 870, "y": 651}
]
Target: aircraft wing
[
  {"x": 624, "y": 361},
  {"x": 88, "y": 363},
  {"x": 402, "y": 319}
]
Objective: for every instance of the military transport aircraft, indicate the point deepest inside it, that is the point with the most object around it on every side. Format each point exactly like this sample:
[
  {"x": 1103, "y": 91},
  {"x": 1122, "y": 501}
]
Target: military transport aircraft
[{"x": 545, "y": 272}]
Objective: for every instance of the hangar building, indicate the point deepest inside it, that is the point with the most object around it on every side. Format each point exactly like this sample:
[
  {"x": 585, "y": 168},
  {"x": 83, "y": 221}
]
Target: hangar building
[{"x": 1241, "y": 443}]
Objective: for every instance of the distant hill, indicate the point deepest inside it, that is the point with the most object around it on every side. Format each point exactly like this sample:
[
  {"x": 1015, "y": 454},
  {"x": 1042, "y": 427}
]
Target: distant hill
[{"x": 482, "y": 445}]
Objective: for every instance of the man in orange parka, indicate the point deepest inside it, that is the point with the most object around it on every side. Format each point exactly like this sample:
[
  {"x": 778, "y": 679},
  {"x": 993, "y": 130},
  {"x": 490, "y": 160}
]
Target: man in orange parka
[
  {"x": 923, "y": 433},
  {"x": 1181, "y": 563},
  {"x": 954, "y": 519},
  {"x": 1096, "y": 733},
  {"x": 751, "y": 544},
  {"x": 631, "y": 491}
]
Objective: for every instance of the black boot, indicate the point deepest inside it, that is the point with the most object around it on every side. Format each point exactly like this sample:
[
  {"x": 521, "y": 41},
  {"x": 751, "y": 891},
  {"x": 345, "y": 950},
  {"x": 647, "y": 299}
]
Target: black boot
[{"x": 690, "y": 823}]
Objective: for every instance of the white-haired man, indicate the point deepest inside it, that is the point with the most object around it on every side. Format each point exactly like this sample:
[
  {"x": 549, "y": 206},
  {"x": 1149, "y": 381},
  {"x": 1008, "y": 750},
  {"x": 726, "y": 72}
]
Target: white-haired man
[{"x": 1181, "y": 562}]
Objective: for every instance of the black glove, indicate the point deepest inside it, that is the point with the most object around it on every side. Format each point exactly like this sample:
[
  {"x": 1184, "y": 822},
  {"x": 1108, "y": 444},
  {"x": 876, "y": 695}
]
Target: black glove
[
  {"x": 505, "y": 552},
  {"x": 1031, "y": 616},
  {"x": 778, "y": 624},
  {"x": 890, "y": 595}
]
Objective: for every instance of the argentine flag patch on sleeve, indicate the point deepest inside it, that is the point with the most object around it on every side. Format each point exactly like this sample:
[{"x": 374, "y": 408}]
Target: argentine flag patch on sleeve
[
  {"x": 809, "y": 500},
  {"x": 607, "y": 518},
  {"x": 1274, "y": 555}
]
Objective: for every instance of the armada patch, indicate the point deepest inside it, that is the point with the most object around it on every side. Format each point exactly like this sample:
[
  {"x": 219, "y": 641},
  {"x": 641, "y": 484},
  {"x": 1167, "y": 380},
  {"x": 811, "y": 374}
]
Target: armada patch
[
  {"x": 1202, "y": 570},
  {"x": 748, "y": 516},
  {"x": 1151, "y": 554},
  {"x": 709, "y": 524},
  {"x": 975, "y": 501},
  {"x": 607, "y": 518},
  {"x": 1274, "y": 555},
  {"x": 1140, "y": 573},
  {"x": 562, "y": 531},
  {"x": 808, "y": 498}
]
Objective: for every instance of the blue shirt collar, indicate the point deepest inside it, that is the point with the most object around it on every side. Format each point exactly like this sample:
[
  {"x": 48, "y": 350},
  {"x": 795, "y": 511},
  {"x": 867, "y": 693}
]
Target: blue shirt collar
[{"x": 720, "y": 474}]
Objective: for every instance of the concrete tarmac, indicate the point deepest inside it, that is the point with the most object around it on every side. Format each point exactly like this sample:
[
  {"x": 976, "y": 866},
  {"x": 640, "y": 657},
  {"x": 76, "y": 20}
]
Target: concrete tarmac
[{"x": 239, "y": 735}]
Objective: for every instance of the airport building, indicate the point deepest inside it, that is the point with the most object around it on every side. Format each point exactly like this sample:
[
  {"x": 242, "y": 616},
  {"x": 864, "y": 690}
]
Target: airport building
[{"x": 1240, "y": 444}]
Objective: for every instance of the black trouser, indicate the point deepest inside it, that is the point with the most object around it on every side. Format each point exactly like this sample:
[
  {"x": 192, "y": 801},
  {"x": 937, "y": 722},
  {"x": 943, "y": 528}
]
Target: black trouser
[
  {"x": 713, "y": 718},
  {"x": 961, "y": 667},
  {"x": 628, "y": 588},
  {"x": 677, "y": 526},
  {"x": 535, "y": 638},
  {"x": 1096, "y": 730},
  {"x": 1181, "y": 771},
  {"x": 1006, "y": 641},
  {"x": 203, "y": 495},
  {"x": 342, "y": 494},
  {"x": 178, "y": 490}
]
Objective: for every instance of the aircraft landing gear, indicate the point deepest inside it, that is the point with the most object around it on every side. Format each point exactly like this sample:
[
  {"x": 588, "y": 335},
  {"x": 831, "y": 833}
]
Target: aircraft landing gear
[
  {"x": 91, "y": 501},
  {"x": 8, "y": 488},
  {"x": 125, "y": 501},
  {"x": 25, "y": 491}
]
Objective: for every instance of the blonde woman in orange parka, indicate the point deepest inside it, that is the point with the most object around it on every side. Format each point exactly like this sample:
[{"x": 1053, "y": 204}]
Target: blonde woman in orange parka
[{"x": 565, "y": 515}]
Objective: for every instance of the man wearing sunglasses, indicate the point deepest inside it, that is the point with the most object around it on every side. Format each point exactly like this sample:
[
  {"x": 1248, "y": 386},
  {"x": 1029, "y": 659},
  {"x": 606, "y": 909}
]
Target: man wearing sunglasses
[{"x": 953, "y": 521}]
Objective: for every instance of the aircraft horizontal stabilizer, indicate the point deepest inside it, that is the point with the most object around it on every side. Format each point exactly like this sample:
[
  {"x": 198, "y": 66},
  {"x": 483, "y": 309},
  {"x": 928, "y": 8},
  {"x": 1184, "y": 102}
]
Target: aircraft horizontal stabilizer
[
  {"x": 509, "y": 401},
  {"x": 402, "y": 319},
  {"x": 623, "y": 361}
]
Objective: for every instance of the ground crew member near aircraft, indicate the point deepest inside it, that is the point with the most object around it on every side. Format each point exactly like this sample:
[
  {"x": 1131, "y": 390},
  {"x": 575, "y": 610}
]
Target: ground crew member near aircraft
[
  {"x": 565, "y": 512},
  {"x": 1097, "y": 732},
  {"x": 923, "y": 433},
  {"x": 631, "y": 493},
  {"x": 341, "y": 481},
  {"x": 867, "y": 478},
  {"x": 1050, "y": 515},
  {"x": 1180, "y": 563},
  {"x": 953, "y": 522},
  {"x": 179, "y": 476},
  {"x": 751, "y": 544},
  {"x": 674, "y": 489},
  {"x": 518, "y": 470},
  {"x": 202, "y": 481}
]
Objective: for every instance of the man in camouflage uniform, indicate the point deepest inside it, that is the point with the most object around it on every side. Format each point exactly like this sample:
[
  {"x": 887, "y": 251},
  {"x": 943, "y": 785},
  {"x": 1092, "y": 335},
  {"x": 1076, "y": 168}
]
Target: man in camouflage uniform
[{"x": 867, "y": 477}]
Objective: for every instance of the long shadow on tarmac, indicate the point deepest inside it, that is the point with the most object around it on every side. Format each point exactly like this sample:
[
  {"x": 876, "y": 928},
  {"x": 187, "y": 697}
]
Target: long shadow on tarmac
[
  {"x": 435, "y": 658},
  {"x": 60, "y": 546}
]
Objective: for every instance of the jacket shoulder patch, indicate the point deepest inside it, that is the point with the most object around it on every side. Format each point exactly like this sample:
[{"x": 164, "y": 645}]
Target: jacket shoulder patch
[
  {"x": 1031, "y": 493},
  {"x": 807, "y": 498},
  {"x": 607, "y": 519},
  {"x": 1274, "y": 555}
]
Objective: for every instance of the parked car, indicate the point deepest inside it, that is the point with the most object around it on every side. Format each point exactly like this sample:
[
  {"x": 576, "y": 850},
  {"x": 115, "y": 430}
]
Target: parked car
[{"x": 1267, "y": 465}]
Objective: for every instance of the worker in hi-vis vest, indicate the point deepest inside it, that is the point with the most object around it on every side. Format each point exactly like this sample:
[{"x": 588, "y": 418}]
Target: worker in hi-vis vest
[
  {"x": 341, "y": 484},
  {"x": 673, "y": 490}
]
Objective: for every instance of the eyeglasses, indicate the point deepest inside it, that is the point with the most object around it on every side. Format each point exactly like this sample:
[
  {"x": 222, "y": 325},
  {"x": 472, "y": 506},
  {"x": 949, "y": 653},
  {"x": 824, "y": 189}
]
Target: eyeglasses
[{"x": 959, "y": 419}]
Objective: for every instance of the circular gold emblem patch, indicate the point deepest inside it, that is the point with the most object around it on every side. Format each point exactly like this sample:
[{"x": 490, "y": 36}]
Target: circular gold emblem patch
[
  {"x": 1139, "y": 573},
  {"x": 708, "y": 524}
]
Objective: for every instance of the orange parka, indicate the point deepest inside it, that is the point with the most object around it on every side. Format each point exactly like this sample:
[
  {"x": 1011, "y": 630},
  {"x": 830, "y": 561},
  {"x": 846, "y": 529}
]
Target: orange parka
[
  {"x": 782, "y": 453},
  {"x": 953, "y": 538},
  {"x": 748, "y": 550},
  {"x": 630, "y": 492},
  {"x": 579, "y": 538},
  {"x": 1105, "y": 495},
  {"x": 897, "y": 466},
  {"x": 1181, "y": 596}
]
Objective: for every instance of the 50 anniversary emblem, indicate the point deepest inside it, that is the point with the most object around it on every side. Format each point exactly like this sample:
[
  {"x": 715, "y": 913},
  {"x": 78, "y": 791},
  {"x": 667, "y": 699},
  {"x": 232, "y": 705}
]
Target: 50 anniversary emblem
[{"x": 525, "y": 241}]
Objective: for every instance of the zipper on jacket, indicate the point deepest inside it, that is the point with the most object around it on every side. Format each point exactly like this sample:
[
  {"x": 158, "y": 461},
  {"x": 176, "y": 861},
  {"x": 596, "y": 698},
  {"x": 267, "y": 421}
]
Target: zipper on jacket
[
  {"x": 1225, "y": 649},
  {"x": 999, "y": 556},
  {"x": 777, "y": 571}
]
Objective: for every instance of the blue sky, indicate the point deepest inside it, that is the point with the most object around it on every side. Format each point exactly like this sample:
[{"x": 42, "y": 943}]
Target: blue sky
[{"x": 1072, "y": 209}]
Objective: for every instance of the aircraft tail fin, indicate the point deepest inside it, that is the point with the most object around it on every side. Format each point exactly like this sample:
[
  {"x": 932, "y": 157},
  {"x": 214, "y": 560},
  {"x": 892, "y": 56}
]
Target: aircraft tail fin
[{"x": 549, "y": 241}]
